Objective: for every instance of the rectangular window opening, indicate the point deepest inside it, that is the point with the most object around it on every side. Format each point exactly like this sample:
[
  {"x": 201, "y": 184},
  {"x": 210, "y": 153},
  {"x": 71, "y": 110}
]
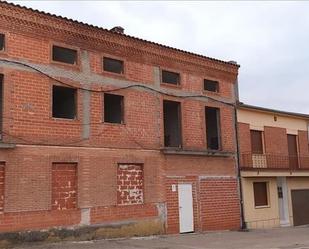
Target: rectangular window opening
[
  {"x": 64, "y": 102},
  {"x": 2, "y": 42},
  {"x": 211, "y": 85},
  {"x": 65, "y": 55},
  {"x": 212, "y": 116},
  {"x": 260, "y": 194},
  {"x": 113, "y": 65},
  {"x": 172, "y": 124},
  {"x": 170, "y": 77},
  {"x": 256, "y": 142},
  {"x": 113, "y": 108},
  {"x": 1, "y": 105}
]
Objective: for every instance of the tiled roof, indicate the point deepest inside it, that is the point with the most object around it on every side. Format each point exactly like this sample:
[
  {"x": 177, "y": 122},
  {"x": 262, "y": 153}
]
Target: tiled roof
[{"x": 128, "y": 36}]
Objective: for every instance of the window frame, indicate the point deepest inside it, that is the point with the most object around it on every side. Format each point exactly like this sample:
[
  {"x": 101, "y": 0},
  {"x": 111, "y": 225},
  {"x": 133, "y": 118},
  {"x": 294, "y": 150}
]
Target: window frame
[
  {"x": 180, "y": 146},
  {"x": 213, "y": 81},
  {"x": 218, "y": 128},
  {"x": 267, "y": 195},
  {"x": 75, "y": 103},
  {"x": 4, "y": 42},
  {"x": 66, "y": 46},
  {"x": 122, "y": 110},
  {"x": 167, "y": 83},
  {"x": 115, "y": 59}
]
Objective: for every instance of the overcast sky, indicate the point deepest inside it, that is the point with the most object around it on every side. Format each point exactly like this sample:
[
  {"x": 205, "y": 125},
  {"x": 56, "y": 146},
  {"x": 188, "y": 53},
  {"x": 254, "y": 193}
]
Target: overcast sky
[{"x": 270, "y": 40}]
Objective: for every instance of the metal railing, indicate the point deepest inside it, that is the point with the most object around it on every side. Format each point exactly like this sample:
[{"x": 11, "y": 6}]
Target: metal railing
[{"x": 273, "y": 161}]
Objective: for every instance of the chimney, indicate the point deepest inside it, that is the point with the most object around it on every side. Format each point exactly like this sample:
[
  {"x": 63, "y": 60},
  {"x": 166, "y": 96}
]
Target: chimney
[{"x": 117, "y": 29}]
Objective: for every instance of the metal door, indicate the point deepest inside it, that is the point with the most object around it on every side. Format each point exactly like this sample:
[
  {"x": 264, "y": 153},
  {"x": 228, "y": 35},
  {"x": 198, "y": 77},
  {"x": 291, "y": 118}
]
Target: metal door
[{"x": 185, "y": 208}]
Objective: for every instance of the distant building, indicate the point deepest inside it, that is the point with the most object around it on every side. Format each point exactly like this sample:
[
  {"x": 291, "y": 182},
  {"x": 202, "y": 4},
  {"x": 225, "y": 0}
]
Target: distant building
[{"x": 274, "y": 163}]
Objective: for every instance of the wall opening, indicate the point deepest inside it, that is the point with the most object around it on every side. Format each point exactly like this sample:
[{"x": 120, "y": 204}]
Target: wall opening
[
  {"x": 211, "y": 85},
  {"x": 170, "y": 77},
  {"x": 64, "y": 102},
  {"x": 172, "y": 124},
  {"x": 64, "y": 186},
  {"x": 2, "y": 187},
  {"x": 256, "y": 142},
  {"x": 130, "y": 184},
  {"x": 1, "y": 104},
  {"x": 113, "y": 65},
  {"x": 260, "y": 194},
  {"x": 65, "y": 55},
  {"x": 113, "y": 108},
  {"x": 2, "y": 42},
  {"x": 212, "y": 116}
]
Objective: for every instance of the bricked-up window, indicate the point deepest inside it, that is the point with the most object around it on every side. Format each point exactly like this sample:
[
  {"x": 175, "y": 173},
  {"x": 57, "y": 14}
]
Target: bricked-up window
[
  {"x": 260, "y": 194},
  {"x": 64, "y": 186},
  {"x": 211, "y": 85},
  {"x": 2, "y": 42},
  {"x": 172, "y": 124},
  {"x": 65, "y": 55},
  {"x": 2, "y": 177},
  {"x": 256, "y": 142},
  {"x": 113, "y": 108},
  {"x": 170, "y": 77},
  {"x": 113, "y": 65},
  {"x": 212, "y": 116},
  {"x": 64, "y": 102},
  {"x": 130, "y": 184}
]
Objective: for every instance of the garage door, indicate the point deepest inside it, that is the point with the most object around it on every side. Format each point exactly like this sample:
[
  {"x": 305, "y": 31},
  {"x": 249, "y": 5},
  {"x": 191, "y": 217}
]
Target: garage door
[{"x": 300, "y": 204}]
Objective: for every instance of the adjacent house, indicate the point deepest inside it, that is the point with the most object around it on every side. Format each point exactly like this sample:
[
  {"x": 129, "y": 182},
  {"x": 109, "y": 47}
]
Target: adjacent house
[
  {"x": 102, "y": 128},
  {"x": 274, "y": 163}
]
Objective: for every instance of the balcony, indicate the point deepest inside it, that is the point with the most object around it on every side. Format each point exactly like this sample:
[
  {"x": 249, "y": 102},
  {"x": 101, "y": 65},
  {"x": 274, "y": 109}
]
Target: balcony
[{"x": 249, "y": 161}]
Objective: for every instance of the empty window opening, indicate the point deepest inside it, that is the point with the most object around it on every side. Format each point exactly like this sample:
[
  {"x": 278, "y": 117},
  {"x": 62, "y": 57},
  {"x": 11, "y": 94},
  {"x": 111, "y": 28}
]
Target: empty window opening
[
  {"x": 170, "y": 77},
  {"x": 112, "y": 65},
  {"x": 212, "y": 116},
  {"x": 172, "y": 124},
  {"x": 113, "y": 108},
  {"x": 1, "y": 104},
  {"x": 211, "y": 85},
  {"x": 65, "y": 55},
  {"x": 2, "y": 36},
  {"x": 260, "y": 194},
  {"x": 256, "y": 142},
  {"x": 64, "y": 102}
]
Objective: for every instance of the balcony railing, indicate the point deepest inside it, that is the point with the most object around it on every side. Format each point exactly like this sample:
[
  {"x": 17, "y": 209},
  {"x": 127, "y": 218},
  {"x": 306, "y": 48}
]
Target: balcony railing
[{"x": 273, "y": 161}]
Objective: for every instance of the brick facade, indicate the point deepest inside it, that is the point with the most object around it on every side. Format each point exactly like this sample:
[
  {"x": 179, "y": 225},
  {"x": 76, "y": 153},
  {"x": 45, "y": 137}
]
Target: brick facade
[{"x": 99, "y": 163}]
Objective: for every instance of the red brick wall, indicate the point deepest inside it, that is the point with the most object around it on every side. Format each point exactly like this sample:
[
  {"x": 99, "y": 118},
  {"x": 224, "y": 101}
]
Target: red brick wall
[
  {"x": 303, "y": 149},
  {"x": 28, "y": 121},
  {"x": 276, "y": 140},
  {"x": 64, "y": 186},
  {"x": 130, "y": 184},
  {"x": 220, "y": 208},
  {"x": 215, "y": 203},
  {"x": 244, "y": 138},
  {"x": 2, "y": 180}
]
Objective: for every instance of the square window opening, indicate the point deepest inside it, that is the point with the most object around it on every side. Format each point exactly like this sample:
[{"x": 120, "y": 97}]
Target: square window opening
[
  {"x": 64, "y": 102},
  {"x": 113, "y": 65},
  {"x": 65, "y": 55},
  {"x": 260, "y": 194},
  {"x": 211, "y": 85},
  {"x": 170, "y": 77},
  {"x": 172, "y": 124},
  {"x": 113, "y": 108},
  {"x": 1, "y": 105},
  {"x": 212, "y": 116},
  {"x": 2, "y": 42}
]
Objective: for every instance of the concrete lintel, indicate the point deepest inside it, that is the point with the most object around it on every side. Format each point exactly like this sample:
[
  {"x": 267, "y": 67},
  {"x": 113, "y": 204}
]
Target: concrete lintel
[
  {"x": 286, "y": 173},
  {"x": 197, "y": 153},
  {"x": 7, "y": 146}
]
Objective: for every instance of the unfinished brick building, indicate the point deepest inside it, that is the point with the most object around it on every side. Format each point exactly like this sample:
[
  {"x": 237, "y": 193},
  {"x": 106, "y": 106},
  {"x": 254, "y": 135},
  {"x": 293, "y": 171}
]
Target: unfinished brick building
[{"x": 98, "y": 127}]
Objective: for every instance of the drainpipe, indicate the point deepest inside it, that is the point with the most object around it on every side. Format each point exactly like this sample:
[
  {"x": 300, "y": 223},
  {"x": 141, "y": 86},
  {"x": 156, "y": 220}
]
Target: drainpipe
[{"x": 242, "y": 218}]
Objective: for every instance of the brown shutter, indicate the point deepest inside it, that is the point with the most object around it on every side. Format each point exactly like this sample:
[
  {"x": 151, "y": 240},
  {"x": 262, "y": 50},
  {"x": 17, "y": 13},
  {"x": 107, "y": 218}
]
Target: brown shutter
[
  {"x": 256, "y": 142},
  {"x": 260, "y": 194}
]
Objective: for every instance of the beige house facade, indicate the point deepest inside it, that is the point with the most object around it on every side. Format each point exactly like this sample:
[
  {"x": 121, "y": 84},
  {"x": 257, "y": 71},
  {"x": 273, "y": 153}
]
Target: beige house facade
[{"x": 274, "y": 167}]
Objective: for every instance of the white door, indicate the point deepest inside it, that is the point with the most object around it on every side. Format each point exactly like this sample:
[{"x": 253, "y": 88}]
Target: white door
[
  {"x": 185, "y": 208},
  {"x": 283, "y": 201}
]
